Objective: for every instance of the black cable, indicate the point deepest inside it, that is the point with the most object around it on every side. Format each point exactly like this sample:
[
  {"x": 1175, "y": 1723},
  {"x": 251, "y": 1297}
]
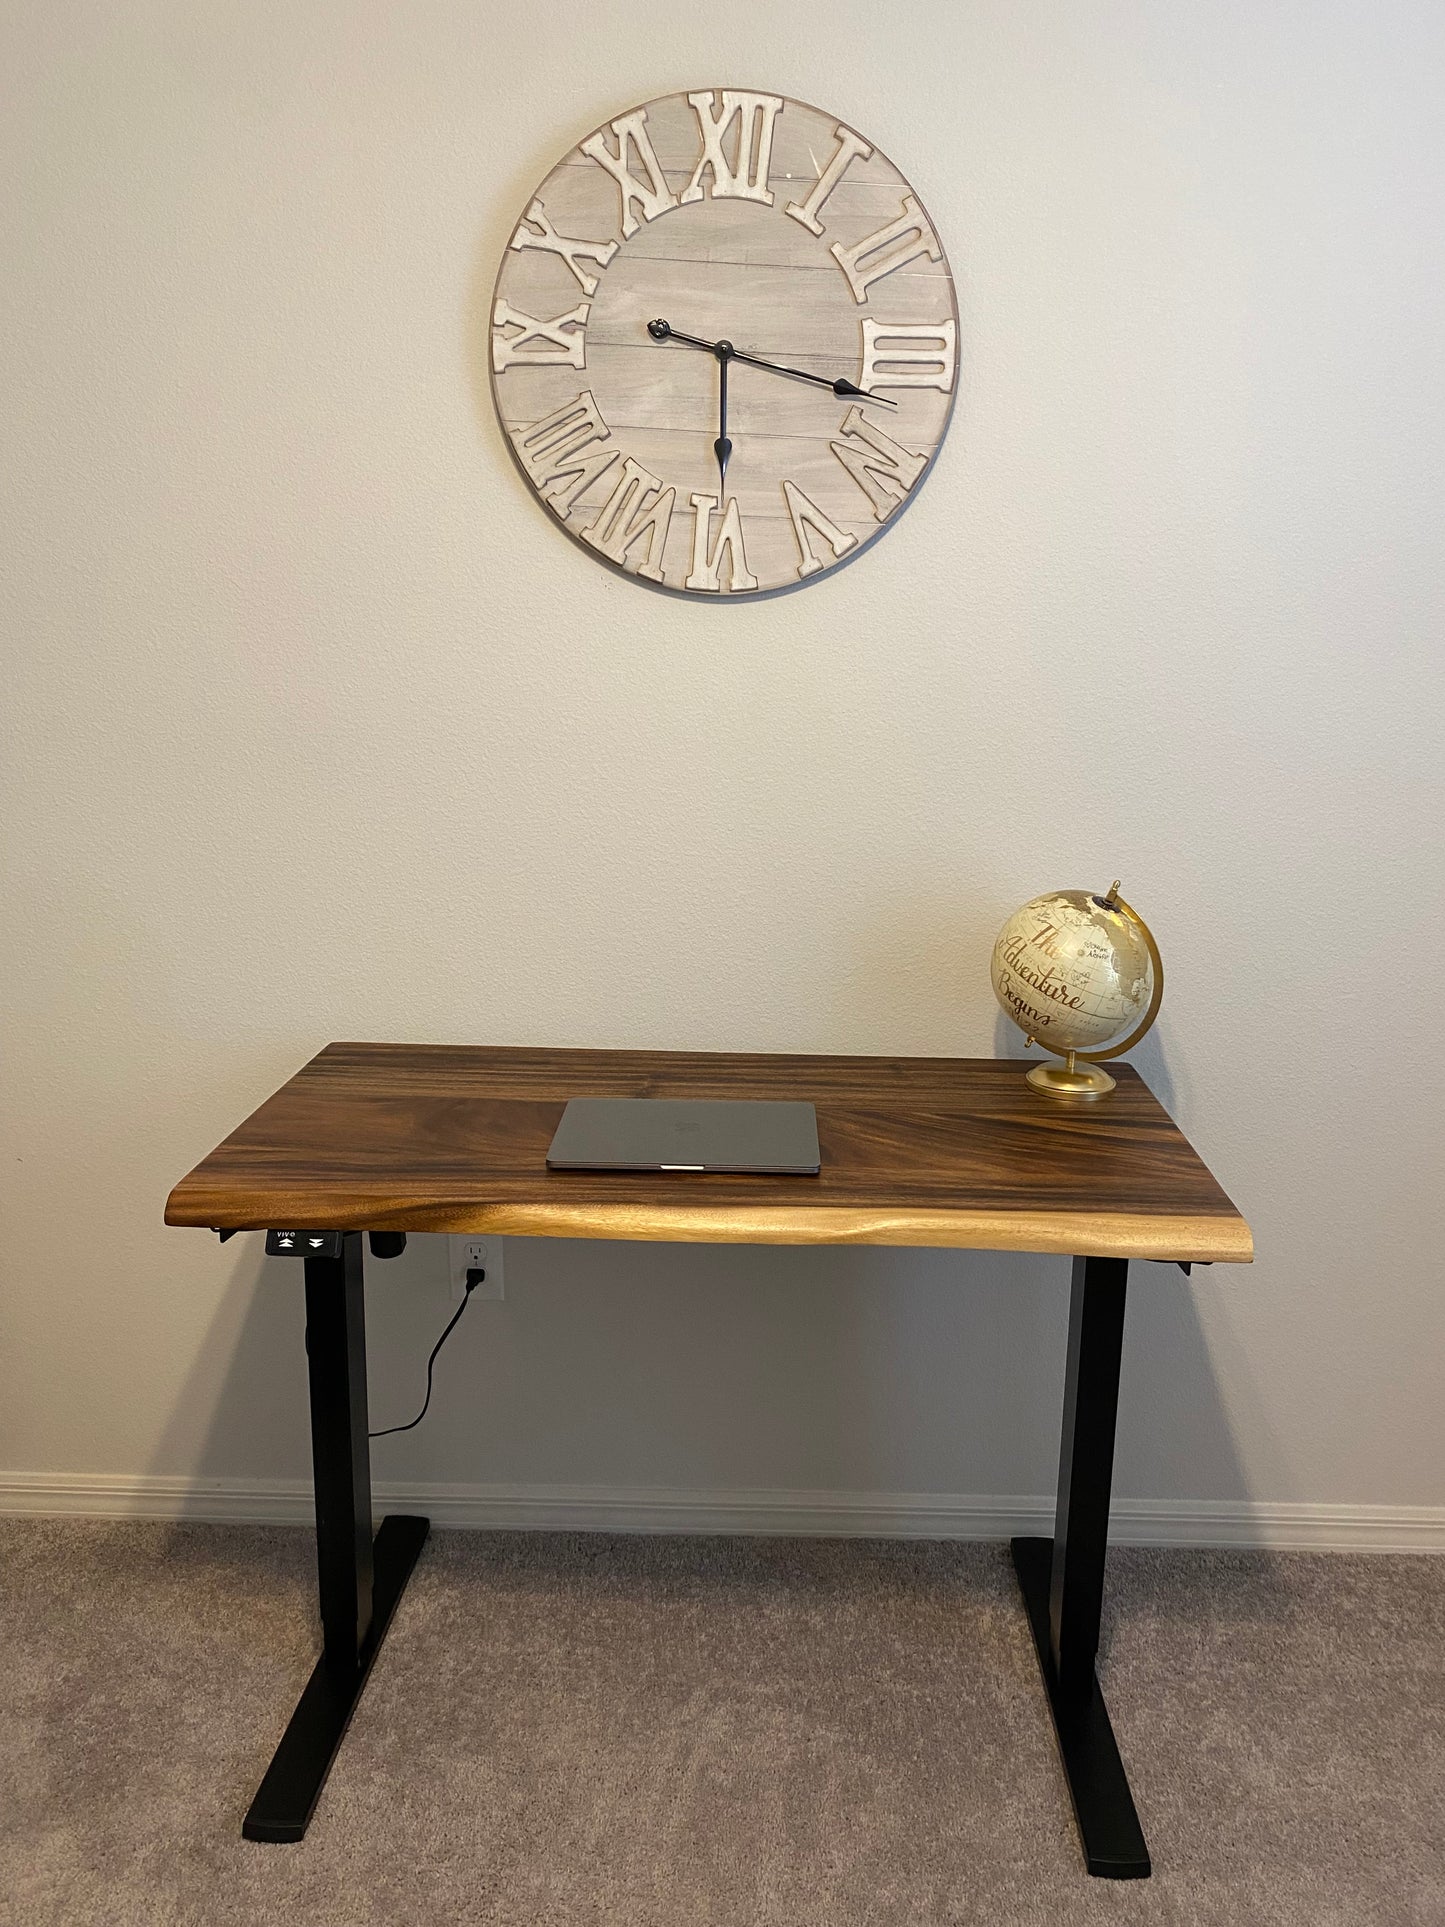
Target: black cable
[{"x": 387, "y": 1430}]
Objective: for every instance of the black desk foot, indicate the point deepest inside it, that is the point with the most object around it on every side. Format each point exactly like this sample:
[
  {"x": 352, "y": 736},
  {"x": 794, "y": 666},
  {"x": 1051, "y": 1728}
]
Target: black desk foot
[
  {"x": 1103, "y": 1805},
  {"x": 287, "y": 1796}
]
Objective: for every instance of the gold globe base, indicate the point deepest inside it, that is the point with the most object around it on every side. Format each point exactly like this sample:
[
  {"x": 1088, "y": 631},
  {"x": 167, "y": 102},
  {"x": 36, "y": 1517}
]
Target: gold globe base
[{"x": 1075, "y": 1083}]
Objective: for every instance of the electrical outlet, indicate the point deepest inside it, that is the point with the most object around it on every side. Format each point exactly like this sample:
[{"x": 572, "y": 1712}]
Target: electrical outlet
[{"x": 475, "y": 1254}]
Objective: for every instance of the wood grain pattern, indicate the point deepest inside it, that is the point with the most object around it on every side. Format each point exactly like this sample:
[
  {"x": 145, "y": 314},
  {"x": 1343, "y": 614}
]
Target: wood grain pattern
[
  {"x": 815, "y": 253},
  {"x": 916, "y": 1151}
]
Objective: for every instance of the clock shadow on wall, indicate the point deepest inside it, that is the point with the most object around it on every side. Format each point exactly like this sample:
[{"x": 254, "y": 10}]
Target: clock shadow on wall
[{"x": 747, "y": 222}]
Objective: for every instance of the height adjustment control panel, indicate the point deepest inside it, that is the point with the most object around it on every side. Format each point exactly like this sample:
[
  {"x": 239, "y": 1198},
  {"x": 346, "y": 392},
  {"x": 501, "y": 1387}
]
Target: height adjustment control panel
[
  {"x": 327, "y": 1244},
  {"x": 304, "y": 1244}
]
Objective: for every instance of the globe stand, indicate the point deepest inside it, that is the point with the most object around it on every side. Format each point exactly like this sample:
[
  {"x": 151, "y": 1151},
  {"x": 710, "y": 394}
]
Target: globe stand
[{"x": 1079, "y": 1083}]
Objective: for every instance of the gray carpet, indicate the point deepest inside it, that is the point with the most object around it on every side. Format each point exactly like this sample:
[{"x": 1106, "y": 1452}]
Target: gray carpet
[{"x": 680, "y": 1732}]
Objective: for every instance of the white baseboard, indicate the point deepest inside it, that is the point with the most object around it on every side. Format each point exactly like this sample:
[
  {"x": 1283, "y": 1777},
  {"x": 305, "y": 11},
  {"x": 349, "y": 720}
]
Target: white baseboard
[{"x": 888, "y": 1515}]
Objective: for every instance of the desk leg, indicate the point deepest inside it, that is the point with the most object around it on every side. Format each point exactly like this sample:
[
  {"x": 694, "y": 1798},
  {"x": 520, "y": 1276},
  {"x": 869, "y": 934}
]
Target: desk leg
[
  {"x": 1063, "y": 1579},
  {"x": 359, "y": 1579}
]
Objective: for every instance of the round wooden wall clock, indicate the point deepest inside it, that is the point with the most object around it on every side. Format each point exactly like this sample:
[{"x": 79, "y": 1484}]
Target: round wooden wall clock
[{"x": 724, "y": 343}]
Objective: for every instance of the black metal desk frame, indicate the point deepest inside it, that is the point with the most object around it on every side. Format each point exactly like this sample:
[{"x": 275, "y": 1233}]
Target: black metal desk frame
[{"x": 361, "y": 1578}]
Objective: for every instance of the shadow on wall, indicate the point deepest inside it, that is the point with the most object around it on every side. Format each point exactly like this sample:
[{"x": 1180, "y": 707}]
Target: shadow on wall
[
  {"x": 1175, "y": 1439},
  {"x": 723, "y": 1370},
  {"x": 249, "y": 1378}
]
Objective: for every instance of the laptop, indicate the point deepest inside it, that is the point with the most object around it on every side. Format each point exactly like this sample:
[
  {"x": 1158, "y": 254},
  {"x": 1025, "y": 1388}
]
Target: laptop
[{"x": 686, "y": 1134}]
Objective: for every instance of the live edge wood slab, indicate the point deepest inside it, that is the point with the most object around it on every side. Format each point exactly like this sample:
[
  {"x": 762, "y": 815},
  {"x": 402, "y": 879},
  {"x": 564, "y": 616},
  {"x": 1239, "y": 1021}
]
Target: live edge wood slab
[{"x": 915, "y": 1151}]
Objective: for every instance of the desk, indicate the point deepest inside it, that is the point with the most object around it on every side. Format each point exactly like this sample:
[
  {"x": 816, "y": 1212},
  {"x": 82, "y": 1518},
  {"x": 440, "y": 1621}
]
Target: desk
[{"x": 915, "y": 1151}]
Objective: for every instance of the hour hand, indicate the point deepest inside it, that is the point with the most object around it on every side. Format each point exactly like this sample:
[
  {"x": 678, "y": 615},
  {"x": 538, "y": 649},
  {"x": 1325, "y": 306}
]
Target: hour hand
[{"x": 722, "y": 447}]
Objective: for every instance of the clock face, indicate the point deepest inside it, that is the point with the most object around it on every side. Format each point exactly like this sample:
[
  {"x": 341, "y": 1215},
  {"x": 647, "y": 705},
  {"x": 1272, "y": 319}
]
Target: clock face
[{"x": 765, "y": 231}]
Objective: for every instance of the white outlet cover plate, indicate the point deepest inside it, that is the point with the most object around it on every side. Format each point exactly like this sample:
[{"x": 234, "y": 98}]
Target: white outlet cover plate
[{"x": 465, "y": 1253}]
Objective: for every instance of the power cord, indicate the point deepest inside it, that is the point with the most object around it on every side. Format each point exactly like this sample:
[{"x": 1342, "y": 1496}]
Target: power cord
[{"x": 474, "y": 1277}]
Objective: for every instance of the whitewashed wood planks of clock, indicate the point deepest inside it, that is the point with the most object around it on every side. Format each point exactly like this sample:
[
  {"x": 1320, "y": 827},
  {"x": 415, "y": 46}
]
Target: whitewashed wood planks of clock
[{"x": 724, "y": 343}]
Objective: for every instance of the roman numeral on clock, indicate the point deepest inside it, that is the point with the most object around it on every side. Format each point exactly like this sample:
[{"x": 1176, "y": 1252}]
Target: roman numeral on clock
[
  {"x": 883, "y": 469},
  {"x": 707, "y": 565},
  {"x": 565, "y": 453},
  {"x": 890, "y": 247},
  {"x": 558, "y": 343},
  {"x": 651, "y": 196},
  {"x": 745, "y": 178},
  {"x": 638, "y": 510},
  {"x": 912, "y": 356},
  {"x": 808, "y": 518},
  {"x": 849, "y": 148},
  {"x": 562, "y": 245}
]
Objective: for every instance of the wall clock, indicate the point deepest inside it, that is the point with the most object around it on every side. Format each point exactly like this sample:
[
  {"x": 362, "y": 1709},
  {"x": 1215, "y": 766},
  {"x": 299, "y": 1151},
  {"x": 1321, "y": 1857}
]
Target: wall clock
[{"x": 724, "y": 343}]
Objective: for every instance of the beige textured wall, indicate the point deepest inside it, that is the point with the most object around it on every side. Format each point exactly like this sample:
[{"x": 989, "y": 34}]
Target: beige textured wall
[{"x": 318, "y": 728}]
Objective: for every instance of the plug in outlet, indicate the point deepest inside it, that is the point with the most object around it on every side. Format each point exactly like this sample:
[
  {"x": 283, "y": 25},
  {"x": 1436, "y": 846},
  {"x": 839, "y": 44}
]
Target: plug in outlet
[{"x": 475, "y": 1254}]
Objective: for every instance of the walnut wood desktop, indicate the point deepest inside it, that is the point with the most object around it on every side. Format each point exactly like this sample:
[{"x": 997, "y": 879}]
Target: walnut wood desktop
[{"x": 915, "y": 1151}]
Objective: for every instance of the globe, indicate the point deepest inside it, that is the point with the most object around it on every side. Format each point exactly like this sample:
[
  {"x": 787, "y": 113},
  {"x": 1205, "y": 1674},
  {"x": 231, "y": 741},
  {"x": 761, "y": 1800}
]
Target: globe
[{"x": 1078, "y": 972}]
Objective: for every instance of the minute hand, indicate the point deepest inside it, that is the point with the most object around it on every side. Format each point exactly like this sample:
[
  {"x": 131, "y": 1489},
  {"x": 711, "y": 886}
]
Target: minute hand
[
  {"x": 839, "y": 387},
  {"x": 664, "y": 331}
]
